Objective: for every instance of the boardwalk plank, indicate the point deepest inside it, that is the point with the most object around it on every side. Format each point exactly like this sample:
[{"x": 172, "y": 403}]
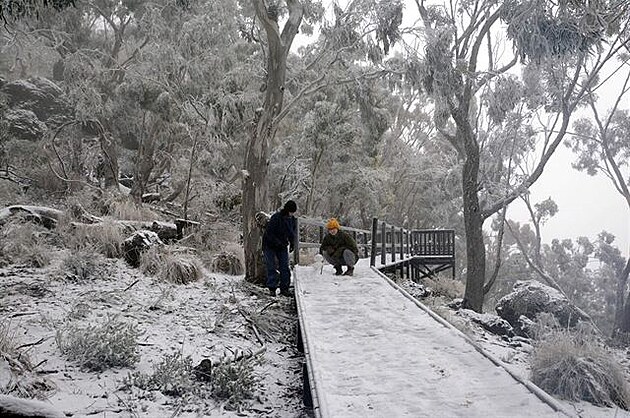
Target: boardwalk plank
[{"x": 374, "y": 353}]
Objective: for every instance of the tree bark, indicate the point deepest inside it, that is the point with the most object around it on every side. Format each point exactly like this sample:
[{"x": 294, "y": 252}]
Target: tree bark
[
  {"x": 622, "y": 308},
  {"x": 255, "y": 182},
  {"x": 473, "y": 223}
]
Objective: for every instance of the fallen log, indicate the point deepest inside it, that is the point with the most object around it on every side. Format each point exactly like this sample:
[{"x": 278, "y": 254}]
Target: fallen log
[
  {"x": 49, "y": 217},
  {"x": 46, "y": 216},
  {"x": 12, "y": 407},
  {"x": 167, "y": 231}
]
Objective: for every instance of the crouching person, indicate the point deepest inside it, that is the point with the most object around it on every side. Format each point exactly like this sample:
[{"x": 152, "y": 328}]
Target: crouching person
[{"x": 339, "y": 249}]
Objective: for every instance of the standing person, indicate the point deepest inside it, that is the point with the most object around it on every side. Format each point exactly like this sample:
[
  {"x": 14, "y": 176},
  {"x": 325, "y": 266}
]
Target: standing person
[
  {"x": 339, "y": 248},
  {"x": 279, "y": 234}
]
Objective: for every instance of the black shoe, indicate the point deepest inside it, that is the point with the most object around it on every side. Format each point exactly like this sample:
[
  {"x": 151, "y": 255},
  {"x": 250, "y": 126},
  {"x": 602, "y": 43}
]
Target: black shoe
[
  {"x": 272, "y": 291},
  {"x": 285, "y": 292},
  {"x": 338, "y": 271},
  {"x": 349, "y": 272}
]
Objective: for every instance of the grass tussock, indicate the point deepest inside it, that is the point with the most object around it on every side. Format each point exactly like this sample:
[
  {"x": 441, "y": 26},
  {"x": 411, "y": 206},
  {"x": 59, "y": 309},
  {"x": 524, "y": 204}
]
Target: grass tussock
[
  {"x": 22, "y": 381},
  {"x": 84, "y": 265},
  {"x": 7, "y": 340},
  {"x": 105, "y": 237},
  {"x": 100, "y": 347},
  {"x": 441, "y": 285},
  {"x": 171, "y": 266},
  {"x": 573, "y": 365},
  {"x": 214, "y": 236},
  {"x": 125, "y": 208},
  {"x": 23, "y": 242}
]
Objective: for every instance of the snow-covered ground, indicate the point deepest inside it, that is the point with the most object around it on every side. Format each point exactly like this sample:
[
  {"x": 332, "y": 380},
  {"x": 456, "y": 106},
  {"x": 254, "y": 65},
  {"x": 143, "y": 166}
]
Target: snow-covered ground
[
  {"x": 209, "y": 319},
  {"x": 212, "y": 319}
]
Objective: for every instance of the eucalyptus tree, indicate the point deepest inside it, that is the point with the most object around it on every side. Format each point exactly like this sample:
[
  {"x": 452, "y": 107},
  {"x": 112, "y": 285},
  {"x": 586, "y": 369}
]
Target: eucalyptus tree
[
  {"x": 602, "y": 145},
  {"x": 561, "y": 52},
  {"x": 95, "y": 44},
  {"x": 193, "y": 92},
  {"x": 12, "y": 10},
  {"x": 339, "y": 44}
]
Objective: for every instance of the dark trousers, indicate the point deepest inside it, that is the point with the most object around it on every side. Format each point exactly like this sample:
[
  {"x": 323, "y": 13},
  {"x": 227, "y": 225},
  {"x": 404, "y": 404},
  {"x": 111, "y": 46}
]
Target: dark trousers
[
  {"x": 282, "y": 265},
  {"x": 347, "y": 259}
]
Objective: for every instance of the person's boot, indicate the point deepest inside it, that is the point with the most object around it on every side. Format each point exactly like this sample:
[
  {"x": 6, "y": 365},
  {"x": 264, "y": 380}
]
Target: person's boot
[
  {"x": 272, "y": 291},
  {"x": 338, "y": 271},
  {"x": 349, "y": 272},
  {"x": 285, "y": 292}
]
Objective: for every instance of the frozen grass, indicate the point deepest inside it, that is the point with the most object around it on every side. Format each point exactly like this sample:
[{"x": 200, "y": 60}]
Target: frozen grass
[
  {"x": 7, "y": 339},
  {"x": 442, "y": 285},
  {"x": 573, "y": 365},
  {"x": 169, "y": 265},
  {"x": 23, "y": 242},
  {"x": 125, "y": 208},
  {"x": 173, "y": 376},
  {"x": 100, "y": 347},
  {"x": 106, "y": 238},
  {"x": 231, "y": 381},
  {"x": 83, "y": 265},
  {"x": 235, "y": 381}
]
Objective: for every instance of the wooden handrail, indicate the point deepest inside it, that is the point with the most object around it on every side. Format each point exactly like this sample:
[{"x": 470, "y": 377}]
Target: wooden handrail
[{"x": 383, "y": 239}]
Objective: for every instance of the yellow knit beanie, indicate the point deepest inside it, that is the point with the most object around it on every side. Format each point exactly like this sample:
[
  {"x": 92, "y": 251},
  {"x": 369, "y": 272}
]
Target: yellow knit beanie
[{"x": 332, "y": 224}]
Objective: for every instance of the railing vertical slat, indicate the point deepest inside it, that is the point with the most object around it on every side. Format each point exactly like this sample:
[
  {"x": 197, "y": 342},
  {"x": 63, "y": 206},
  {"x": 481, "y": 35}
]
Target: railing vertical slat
[
  {"x": 374, "y": 232},
  {"x": 402, "y": 248},
  {"x": 393, "y": 235},
  {"x": 383, "y": 244}
]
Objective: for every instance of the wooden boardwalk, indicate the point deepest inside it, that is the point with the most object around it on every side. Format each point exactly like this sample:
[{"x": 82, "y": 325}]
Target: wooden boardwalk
[{"x": 373, "y": 352}]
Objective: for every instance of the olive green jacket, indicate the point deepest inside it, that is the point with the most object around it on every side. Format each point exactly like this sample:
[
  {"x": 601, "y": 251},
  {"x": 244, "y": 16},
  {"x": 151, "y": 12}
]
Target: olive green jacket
[{"x": 334, "y": 245}]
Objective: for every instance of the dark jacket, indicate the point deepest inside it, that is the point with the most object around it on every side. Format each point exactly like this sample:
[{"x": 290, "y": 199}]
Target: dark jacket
[
  {"x": 280, "y": 231},
  {"x": 335, "y": 244}
]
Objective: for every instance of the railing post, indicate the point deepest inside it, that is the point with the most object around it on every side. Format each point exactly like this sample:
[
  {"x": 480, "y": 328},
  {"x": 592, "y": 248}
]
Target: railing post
[
  {"x": 393, "y": 243},
  {"x": 373, "y": 251},
  {"x": 402, "y": 247},
  {"x": 383, "y": 244},
  {"x": 364, "y": 242}
]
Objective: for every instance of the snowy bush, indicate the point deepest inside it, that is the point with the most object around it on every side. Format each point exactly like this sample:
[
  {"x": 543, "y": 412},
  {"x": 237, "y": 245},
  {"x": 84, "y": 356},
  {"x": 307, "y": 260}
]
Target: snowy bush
[
  {"x": 21, "y": 242},
  {"x": 166, "y": 264},
  {"x": 100, "y": 347},
  {"x": 106, "y": 237},
  {"x": 574, "y": 366},
  {"x": 83, "y": 265},
  {"x": 234, "y": 381},
  {"x": 173, "y": 376},
  {"x": 228, "y": 263},
  {"x": 441, "y": 285}
]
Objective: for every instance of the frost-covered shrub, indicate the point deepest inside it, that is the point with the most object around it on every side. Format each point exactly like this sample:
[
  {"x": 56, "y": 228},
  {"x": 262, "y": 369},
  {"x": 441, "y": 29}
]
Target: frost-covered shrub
[
  {"x": 173, "y": 376},
  {"x": 100, "y": 347},
  {"x": 444, "y": 286},
  {"x": 235, "y": 381},
  {"x": 574, "y": 366},
  {"x": 168, "y": 265},
  {"x": 228, "y": 263}
]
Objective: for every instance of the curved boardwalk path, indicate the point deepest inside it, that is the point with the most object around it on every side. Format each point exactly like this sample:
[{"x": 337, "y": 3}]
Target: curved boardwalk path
[{"x": 372, "y": 352}]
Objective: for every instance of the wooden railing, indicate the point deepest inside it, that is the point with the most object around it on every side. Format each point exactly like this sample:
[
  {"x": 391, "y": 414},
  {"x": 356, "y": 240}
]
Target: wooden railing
[{"x": 382, "y": 240}]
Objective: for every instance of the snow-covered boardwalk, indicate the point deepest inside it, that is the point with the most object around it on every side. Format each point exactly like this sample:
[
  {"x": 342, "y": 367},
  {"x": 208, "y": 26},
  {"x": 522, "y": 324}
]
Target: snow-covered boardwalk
[{"x": 372, "y": 352}]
